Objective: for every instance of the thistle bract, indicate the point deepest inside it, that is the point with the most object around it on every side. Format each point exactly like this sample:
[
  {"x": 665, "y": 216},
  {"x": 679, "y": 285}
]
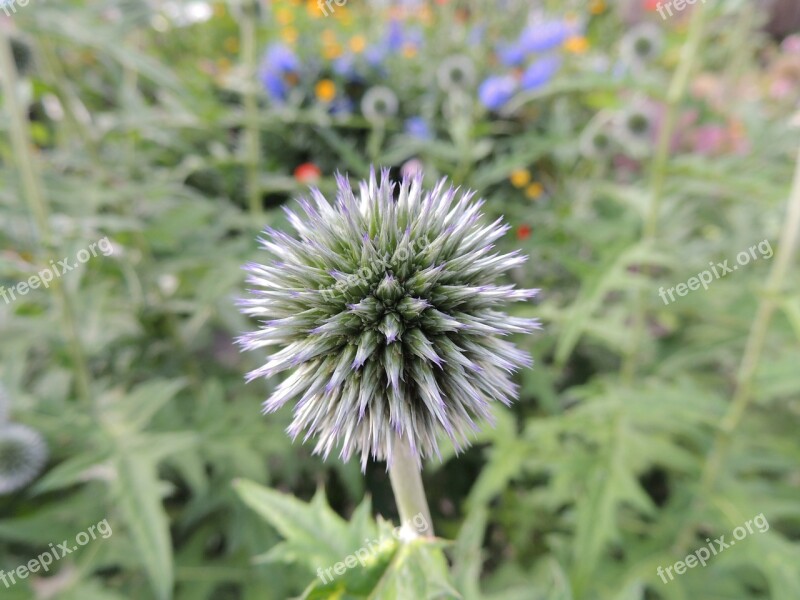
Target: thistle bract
[{"x": 386, "y": 307}]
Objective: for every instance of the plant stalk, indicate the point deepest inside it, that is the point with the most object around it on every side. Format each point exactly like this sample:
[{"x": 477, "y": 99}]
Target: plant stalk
[
  {"x": 32, "y": 190},
  {"x": 409, "y": 493},
  {"x": 252, "y": 137},
  {"x": 756, "y": 340},
  {"x": 658, "y": 171}
]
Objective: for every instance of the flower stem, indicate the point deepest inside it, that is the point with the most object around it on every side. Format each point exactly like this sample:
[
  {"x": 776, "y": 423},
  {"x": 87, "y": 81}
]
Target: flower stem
[
  {"x": 252, "y": 135},
  {"x": 658, "y": 174},
  {"x": 409, "y": 494},
  {"x": 756, "y": 340},
  {"x": 32, "y": 188}
]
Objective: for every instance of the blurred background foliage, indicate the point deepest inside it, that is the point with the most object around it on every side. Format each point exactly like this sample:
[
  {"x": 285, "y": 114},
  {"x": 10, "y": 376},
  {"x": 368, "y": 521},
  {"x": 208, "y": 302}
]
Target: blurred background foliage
[{"x": 627, "y": 151}]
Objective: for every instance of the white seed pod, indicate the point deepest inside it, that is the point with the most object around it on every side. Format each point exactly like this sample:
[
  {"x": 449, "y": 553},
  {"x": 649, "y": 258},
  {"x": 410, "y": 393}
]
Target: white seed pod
[{"x": 379, "y": 104}]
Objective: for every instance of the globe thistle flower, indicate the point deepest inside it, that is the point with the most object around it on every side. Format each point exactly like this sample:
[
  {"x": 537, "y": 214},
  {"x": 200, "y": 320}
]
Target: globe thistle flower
[
  {"x": 496, "y": 90},
  {"x": 23, "y": 454},
  {"x": 387, "y": 311},
  {"x": 540, "y": 72},
  {"x": 596, "y": 140},
  {"x": 456, "y": 72},
  {"x": 642, "y": 44},
  {"x": 379, "y": 104},
  {"x": 634, "y": 127}
]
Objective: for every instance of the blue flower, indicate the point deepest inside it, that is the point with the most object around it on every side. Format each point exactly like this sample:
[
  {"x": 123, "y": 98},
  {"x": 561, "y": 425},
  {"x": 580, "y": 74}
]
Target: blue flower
[
  {"x": 279, "y": 60},
  {"x": 395, "y": 37},
  {"x": 540, "y": 72},
  {"x": 542, "y": 37},
  {"x": 345, "y": 66},
  {"x": 341, "y": 107},
  {"x": 418, "y": 127},
  {"x": 511, "y": 55},
  {"x": 375, "y": 55},
  {"x": 495, "y": 91},
  {"x": 476, "y": 35},
  {"x": 280, "y": 57}
]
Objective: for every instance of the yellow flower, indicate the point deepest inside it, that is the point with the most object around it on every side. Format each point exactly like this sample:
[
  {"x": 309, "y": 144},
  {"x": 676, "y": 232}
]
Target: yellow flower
[
  {"x": 358, "y": 43},
  {"x": 313, "y": 9},
  {"x": 328, "y": 36},
  {"x": 284, "y": 16},
  {"x": 534, "y": 190},
  {"x": 409, "y": 50},
  {"x": 520, "y": 178},
  {"x": 289, "y": 35},
  {"x": 231, "y": 45},
  {"x": 597, "y": 7},
  {"x": 219, "y": 9},
  {"x": 325, "y": 90},
  {"x": 332, "y": 51},
  {"x": 577, "y": 44}
]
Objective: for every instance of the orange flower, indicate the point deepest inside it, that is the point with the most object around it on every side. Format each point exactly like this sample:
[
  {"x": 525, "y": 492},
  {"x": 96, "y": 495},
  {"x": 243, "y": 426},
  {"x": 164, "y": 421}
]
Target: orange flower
[
  {"x": 577, "y": 44},
  {"x": 524, "y": 232},
  {"x": 289, "y": 35},
  {"x": 597, "y": 7},
  {"x": 358, "y": 43},
  {"x": 534, "y": 190},
  {"x": 325, "y": 90},
  {"x": 332, "y": 51},
  {"x": 284, "y": 16},
  {"x": 520, "y": 178},
  {"x": 409, "y": 50}
]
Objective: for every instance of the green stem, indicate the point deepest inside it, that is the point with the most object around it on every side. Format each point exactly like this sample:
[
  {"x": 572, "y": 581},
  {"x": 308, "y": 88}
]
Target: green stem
[
  {"x": 658, "y": 171},
  {"x": 409, "y": 493},
  {"x": 756, "y": 339},
  {"x": 252, "y": 137},
  {"x": 32, "y": 189}
]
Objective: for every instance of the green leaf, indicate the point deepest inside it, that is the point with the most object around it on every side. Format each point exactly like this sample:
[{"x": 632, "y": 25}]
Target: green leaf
[{"x": 137, "y": 494}]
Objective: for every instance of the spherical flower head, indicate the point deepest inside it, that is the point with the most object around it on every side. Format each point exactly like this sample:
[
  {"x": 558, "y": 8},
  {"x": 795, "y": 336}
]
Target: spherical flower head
[
  {"x": 642, "y": 44},
  {"x": 386, "y": 307},
  {"x": 23, "y": 454}
]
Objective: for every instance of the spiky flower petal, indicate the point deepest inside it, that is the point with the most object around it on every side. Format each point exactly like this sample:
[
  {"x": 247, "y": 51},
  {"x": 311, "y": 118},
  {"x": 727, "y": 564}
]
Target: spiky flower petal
[
  {"x": 23, "y": 454},
  {"x": 386, "y": 307}
]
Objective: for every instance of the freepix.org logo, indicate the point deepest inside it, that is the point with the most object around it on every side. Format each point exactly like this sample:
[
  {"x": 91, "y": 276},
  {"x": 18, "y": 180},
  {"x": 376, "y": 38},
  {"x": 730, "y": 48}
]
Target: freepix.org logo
[{"x": 9, "y": 7}]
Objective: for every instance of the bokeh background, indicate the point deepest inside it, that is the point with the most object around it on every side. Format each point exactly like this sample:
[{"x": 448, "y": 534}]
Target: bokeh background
[{"x": 628, "y": 144}]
